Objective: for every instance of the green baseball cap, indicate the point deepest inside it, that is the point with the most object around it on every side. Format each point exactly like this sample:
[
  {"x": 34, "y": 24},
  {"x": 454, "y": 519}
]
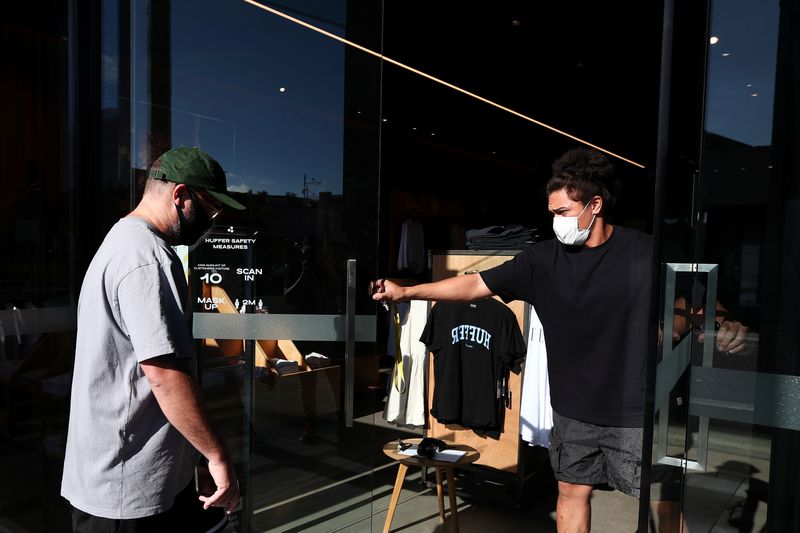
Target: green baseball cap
[{"x": 194, "y": 168}]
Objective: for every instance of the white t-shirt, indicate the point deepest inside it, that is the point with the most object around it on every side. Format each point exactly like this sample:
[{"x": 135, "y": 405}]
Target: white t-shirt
[
  {"x": 123, "y": 458},
  {"x": 406, "y": 407},
  {"x": 536, "y": 414}
]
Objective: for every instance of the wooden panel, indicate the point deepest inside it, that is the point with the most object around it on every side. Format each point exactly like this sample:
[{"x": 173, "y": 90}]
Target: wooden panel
[
  {"x": 265, "y": 349},
  {"x": 278, "y": 349},
  {"x": 502, "y": 453},
  {"x": 229, "y": 347}
]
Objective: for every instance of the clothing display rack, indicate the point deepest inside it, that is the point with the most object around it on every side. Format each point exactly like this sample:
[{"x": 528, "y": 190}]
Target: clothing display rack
[{"x": 508, "y": 458}]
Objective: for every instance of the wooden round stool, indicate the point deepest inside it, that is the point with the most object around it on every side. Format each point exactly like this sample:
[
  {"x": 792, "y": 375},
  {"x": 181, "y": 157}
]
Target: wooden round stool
[{"x": 391, "y": 450}]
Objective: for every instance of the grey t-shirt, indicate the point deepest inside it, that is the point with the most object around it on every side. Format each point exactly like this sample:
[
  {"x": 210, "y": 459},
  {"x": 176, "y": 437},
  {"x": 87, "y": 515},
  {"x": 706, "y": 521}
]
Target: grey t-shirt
[{"x": 123, "y": 458}]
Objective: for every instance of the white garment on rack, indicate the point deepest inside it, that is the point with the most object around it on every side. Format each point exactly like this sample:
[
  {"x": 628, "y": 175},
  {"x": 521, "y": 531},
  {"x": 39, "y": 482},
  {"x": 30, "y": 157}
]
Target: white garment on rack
[
  {"x": 411, "y": 255},
  {"x": 407, "y": 407},
  {"x": 536, "y": 414}
]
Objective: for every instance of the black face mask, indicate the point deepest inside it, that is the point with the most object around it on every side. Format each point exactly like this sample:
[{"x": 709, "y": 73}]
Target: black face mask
[{"x": 191, "y": 231}]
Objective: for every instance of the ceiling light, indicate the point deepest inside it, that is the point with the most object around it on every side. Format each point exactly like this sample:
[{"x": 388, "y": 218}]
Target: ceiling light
[
  {"x": 282, "y": 89},
  {"x": 753, "y": 94},
  {"x": 714, "y": 39},
  {"x": 725, "y": 54},
  {"x": 386, "y": 120}
]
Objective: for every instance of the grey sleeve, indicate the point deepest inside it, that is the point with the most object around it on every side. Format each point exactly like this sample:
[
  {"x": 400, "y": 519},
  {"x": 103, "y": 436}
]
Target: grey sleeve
[{"x": 152, "y": 314}]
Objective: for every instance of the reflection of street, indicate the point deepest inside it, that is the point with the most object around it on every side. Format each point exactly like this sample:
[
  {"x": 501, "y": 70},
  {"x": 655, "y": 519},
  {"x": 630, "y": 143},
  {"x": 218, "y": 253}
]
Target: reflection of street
[
  {"x": 740, "y": 460},
  {"x": 731, "y": 494}
]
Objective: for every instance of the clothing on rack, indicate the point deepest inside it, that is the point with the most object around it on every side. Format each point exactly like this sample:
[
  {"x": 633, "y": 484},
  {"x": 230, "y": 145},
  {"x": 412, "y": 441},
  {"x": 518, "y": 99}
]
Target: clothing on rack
[
  {"x": 509, "y": 237},
  {"x": 405, "y": 405},
  {"x": 411, "y": 255},
  {"x": 474, "y": 346},
  {"x": 536, "y": 414}
]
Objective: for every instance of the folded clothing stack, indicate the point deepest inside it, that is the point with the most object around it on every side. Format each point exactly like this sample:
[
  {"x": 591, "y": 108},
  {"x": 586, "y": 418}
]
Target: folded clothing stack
[
  {"x": 57, "y": 386},
  {"x": 317, "y": 360},
  {"x": 283, "y": 366},
  {"x": 509, "y": 237}
]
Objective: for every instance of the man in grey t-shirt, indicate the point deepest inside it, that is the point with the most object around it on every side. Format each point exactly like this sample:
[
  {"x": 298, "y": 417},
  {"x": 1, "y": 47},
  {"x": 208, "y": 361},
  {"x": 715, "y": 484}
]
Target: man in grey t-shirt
[{"x": 137, "y": 419}]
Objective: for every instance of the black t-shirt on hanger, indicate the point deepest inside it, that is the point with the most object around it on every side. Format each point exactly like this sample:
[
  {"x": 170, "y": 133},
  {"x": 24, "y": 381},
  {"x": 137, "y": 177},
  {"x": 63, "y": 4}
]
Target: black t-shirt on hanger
[
  {"x": 474, "y": 345},
  {"x": 594, "y": 305}
]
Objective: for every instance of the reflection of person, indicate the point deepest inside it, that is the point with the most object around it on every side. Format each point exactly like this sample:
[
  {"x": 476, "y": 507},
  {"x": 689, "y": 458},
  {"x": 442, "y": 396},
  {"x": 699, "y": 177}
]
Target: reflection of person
[
  {"x": 591, "y": 290},
  {"x": 730, "y": 337},
  {"x": 136, "y": 411}
]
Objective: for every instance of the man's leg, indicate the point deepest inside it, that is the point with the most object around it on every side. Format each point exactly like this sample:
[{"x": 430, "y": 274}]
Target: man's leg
[
  {"x": 573, "y": 508},
  {"x": 85, "y": 523},
  {"x": 665, "y": 498},
  {"x": 578, "y": 465},
  {"x": 670, "y": 517}
]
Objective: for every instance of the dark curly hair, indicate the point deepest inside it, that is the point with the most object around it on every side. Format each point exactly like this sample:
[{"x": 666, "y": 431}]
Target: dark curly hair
[{"x": 583, "y": 173}]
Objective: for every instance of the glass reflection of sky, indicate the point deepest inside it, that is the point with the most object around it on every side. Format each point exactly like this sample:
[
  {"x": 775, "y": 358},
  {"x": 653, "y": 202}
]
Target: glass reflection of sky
[
  {"x": 229, "y": 62},
  {"x": 748, "y": 32}
]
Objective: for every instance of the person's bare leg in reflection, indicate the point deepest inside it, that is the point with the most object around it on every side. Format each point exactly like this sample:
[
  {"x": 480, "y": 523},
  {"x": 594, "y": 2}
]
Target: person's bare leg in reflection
[
  {"x": 670, "y": 518},
  {"x": 573, "y": 508}
]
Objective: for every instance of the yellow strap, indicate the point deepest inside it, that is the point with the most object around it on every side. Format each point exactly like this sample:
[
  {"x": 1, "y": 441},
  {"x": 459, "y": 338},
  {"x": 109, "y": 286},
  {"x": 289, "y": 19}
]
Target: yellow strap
[{"x": 399, "y": 373}]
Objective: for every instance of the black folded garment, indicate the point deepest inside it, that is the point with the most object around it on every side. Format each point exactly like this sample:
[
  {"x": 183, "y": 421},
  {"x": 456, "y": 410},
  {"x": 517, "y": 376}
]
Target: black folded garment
[
  {"x": 511, "y": 236},
  {"x": 429, "y": 447}
]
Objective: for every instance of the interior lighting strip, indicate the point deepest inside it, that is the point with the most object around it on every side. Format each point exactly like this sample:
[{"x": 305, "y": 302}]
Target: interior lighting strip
[{"x": 437, "y": 80}]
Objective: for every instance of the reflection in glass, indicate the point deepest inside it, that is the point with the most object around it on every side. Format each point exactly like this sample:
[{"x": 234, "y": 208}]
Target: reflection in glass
[
  {"x": 729, "y": 400},
  {"x": 267, "y": 98}
]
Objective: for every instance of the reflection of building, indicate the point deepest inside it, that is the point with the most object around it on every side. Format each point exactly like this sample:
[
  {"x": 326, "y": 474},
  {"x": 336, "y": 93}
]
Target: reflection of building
[{"x": 735, "y": 173}]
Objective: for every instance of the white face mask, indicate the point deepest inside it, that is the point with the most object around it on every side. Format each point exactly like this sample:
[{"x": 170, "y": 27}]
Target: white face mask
[{"x": 567, "y": 231}]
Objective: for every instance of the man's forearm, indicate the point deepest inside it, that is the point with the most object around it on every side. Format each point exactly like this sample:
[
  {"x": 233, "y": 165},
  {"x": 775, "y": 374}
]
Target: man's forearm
[
  {"x": 458, "y": 289},
  {"x": 179, "y": 398}
]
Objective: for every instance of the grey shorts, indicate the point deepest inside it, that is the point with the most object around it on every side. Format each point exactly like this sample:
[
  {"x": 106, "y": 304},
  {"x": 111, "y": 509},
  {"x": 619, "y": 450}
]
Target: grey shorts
[{"x": 586, "y": 454}]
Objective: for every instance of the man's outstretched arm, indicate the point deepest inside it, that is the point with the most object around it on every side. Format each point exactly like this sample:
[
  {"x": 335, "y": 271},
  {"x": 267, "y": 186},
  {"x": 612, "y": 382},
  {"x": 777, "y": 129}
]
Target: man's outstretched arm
[{"x": 458, "y": 289}]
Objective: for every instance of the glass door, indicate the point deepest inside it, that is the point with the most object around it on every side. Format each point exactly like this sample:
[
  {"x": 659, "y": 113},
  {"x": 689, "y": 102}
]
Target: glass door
[
  {"x": 286, "y": 342},
  {"x": 725, "y": 402}
]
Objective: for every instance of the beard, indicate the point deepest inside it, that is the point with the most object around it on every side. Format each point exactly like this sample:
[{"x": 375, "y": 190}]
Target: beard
[{"x": 191, "y": 228}]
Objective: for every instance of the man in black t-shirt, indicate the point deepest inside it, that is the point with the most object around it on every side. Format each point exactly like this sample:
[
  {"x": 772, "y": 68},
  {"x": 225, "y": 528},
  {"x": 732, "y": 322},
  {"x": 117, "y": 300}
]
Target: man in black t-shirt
[{"x": 591, "y": 289}]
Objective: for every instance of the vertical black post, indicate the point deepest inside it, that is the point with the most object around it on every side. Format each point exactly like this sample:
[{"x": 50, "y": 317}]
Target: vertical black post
[
  {"x": 780, "y": 338},
  {"x": 83, "y": 127},
  {"x": 159, "y": 63},
  {"x": 660, "y": 171}
]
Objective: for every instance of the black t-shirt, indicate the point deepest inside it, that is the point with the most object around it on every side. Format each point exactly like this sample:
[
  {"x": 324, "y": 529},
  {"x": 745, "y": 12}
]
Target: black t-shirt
[
  {"x": 473, "y": 344},
  {"x": 594, "y": 306}
]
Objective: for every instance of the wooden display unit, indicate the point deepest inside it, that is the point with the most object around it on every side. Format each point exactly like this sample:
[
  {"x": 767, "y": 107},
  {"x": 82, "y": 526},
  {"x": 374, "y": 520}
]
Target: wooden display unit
[
  {"x": 503, "y": 453},
  {"x": 265, "y": 349}
]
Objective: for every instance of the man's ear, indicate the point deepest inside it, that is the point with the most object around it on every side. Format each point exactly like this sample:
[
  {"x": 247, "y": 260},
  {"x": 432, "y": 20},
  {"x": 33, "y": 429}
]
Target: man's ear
[
  {"x": 180, "y": 194},
  {"x": 597, "y": 205}
]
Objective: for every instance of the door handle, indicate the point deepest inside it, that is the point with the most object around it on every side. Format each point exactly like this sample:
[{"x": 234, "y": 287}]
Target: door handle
[
  {"x": 674, "y": 360},
  {"x": 350, "y": 343}
]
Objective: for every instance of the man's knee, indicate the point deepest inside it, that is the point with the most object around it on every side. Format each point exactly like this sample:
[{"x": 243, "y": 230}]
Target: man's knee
[{"x": 573, "y": 491}]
